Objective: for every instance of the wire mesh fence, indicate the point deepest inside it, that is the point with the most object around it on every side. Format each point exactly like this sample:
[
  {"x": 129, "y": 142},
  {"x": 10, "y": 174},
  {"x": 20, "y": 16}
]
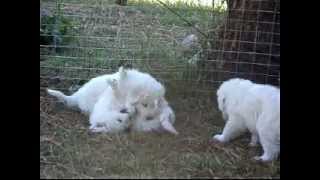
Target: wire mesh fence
[
  {"x": 182, "y": 45},
  {"x": 250, "y": 42}
]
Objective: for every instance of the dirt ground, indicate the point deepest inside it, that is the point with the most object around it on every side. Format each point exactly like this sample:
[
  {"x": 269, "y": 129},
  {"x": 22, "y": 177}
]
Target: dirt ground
[{"x": 69, "y": 150}]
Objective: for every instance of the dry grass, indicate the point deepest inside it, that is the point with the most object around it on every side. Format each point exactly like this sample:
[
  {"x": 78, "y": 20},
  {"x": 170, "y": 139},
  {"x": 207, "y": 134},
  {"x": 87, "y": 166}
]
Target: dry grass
[{"x": 69, "y": 150}]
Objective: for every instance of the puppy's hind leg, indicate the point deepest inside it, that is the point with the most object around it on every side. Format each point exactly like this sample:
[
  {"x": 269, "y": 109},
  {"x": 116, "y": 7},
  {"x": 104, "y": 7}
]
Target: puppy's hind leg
[
  {"x": 270, "y": 151},
  {"x": 269, "y": 140},
  {"x": 233, "y": 128},
  {"x": 270, "y": 145}
]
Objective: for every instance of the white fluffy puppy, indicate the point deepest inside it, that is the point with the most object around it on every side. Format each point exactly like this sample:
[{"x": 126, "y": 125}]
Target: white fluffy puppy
[
  {"x": 254, "y": 107},
  {"x": 87, "y": 96},
  {"x": 109, "y": 114},
  {"x": 111, "y": 100},
  {"x": 134, "y": 84},
  {"x": 103, "y": 102},
  {"x": 156, "y": 116},
  {"x": 100, "y": 99},
  {"x": 153, "y": 111}
]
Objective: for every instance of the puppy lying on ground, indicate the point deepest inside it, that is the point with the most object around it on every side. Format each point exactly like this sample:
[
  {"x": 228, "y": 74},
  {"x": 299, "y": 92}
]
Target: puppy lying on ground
[
  {"x": 152, "y": 110},
  {"x": 110, "y": 113},
  {"x": 87, "y": 96},
  {"x": 111, "y": 101},
  {"x": 157, "y": 116}
]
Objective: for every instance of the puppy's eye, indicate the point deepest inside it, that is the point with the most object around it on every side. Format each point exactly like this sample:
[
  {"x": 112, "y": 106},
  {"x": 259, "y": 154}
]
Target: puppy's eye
[
  {"x": 119, "y": 120},
  {"x": 124, "y": 110}
]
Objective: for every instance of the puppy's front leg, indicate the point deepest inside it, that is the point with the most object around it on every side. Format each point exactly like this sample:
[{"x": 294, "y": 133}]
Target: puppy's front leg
[{"x": 233, "y": 128}]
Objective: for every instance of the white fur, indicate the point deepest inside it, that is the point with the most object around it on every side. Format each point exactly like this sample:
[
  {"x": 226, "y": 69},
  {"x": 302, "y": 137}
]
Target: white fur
[
  {"x": 87, "y": 96},
  {"x": 99, "y": 98},
  {"x": 144, "y": 90},
  {"x": 254, "y": 107},
  {"x": 156, "y": 116},
  {"x": 105, "y": 96},
  {"x": 148, "y": 95},
  {"x": 106, "y": 115},
  {"x": 135, "y": 84}
]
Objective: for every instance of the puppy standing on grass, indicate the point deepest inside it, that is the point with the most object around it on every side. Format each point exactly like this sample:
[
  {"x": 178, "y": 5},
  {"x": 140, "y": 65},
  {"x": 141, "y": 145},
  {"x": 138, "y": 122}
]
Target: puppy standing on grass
[{"x": 254, "y": 107}]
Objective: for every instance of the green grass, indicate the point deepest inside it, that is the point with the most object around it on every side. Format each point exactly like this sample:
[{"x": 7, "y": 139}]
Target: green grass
[
  {"x": 147, "y": 33},
  {"x": 190, "y": 11}
]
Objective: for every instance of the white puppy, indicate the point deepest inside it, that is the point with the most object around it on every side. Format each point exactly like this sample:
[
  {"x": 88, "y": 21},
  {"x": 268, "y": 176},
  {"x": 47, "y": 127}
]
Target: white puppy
[
  {"x": 87, "y": 96},
  {"x": 153, "y": 111},
  {"x": 109, "y": 113},
  {"x": 134, "y": 84},
  {"x": 155, "y": 116},
  {"x": 254, "y": 107},
  {"x": 105, "y": 100}
]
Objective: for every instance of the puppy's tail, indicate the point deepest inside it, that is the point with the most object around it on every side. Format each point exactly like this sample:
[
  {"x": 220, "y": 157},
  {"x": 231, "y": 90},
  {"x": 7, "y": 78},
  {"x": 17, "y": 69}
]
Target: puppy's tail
[{"x": 68, "y": 100}]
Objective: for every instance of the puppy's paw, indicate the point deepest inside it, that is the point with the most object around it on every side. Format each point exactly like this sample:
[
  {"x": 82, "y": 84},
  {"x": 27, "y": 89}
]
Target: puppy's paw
[
  {"x": 96, "y": 129},
  {"x": 262, "y": 158},
  {"x": 257, "y": 158},
  {"x": 218, "y": 138},
  {"x": 253, "y": 144}
]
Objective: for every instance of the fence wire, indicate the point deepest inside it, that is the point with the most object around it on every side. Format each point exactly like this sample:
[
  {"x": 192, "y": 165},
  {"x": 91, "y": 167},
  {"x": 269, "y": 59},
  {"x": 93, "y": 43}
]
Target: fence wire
[{"x": 82, "y": 39}]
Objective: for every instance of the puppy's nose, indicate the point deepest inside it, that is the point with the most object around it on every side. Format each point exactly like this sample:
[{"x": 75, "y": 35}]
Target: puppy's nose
[{"x": 124, "y": 110}]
